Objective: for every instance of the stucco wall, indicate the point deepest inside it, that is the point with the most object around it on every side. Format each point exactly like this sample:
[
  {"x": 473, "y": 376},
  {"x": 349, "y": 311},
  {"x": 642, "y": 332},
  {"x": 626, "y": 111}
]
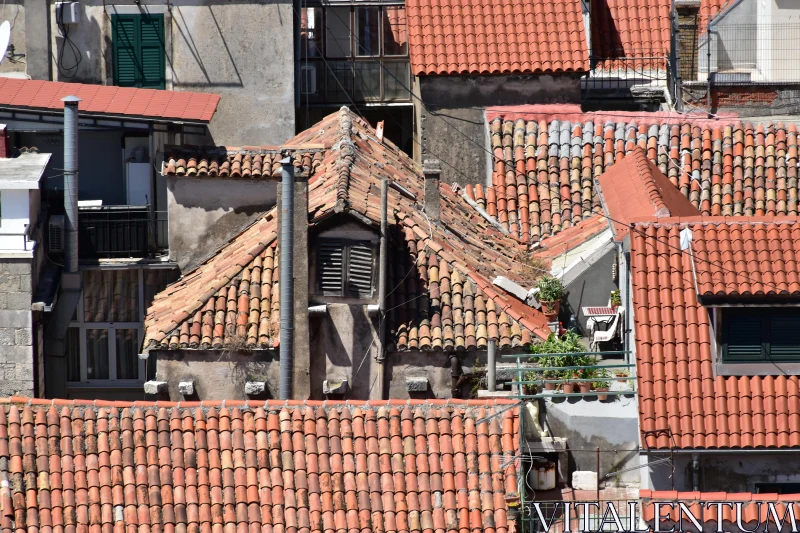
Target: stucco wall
[
  {"x": 588, "y": 424},
  {"x": 217, "y": 375},
  {"x": 242, "y": 51},
  {"x": 16, "y": 331},
  {"x": 433, "y": 365},
  {"x": 206, "y": 213},
  {"x": 14, "y": 12},
  {"x": 453, "y": 127},
  {"x": 592, "y": 287}
]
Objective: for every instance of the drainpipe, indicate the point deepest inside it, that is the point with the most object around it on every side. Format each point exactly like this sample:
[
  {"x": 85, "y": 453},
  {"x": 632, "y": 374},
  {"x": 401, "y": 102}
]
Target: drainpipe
[
  {"x": 71, "y": 182},
  {"x": 433, "y": 173},
  {"x": 491, "y": 377},
  {"x": 455, "y": 375},
  {"x": 287, "y": 278},
  {"x": 695, "y": 472},
  {"x": 383, "y": 259}
]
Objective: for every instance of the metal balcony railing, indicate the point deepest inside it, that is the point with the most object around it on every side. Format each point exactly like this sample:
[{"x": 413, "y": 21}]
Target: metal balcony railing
[{"x": 121, "y": 231}]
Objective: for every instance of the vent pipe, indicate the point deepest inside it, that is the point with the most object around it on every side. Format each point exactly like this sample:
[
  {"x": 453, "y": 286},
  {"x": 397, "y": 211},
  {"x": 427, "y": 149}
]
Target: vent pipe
[
  {"x": 433, "y": 173},
  {"x": 71, "y": 182},
  {"x": 286, "y": 279},
  {"x": 491, "y": 363},
  {"x": 383, "y": 272}
]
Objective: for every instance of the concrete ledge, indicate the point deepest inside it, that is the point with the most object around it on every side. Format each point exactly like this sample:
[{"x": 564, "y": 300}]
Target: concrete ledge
[
  {"x": 417, "y": 384},
  {"x": 186, "y": 388},
  {"x": 155, "y": 387},
  {"x": 254, "y": 388},
  {"x": 334, "y": 387}
]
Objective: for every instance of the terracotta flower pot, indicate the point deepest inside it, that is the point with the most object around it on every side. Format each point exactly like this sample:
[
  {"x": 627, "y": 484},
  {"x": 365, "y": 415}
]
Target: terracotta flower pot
[
  {"x": 550, "y": 310},
  {"x": 602, "y": 397},
  {"x": 549, "y": 384},
  {"x": 623, "y": 376},
  {"x": 585, "y": 386},
  {"x": 567, "y": 388}
]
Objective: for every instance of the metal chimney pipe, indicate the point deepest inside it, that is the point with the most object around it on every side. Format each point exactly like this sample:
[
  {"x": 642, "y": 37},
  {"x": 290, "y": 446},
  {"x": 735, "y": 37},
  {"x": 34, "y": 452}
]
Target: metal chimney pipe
[
  {"x": 383, "y": 274},
  {"x": 286, "y": 278},
  {"x": 491, "y": 371},
  {"x": 71, "y": 182}
]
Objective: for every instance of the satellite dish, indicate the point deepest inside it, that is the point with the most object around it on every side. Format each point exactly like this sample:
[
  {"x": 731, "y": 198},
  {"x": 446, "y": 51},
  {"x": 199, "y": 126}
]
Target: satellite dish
[{"x": 5, "y": 37}]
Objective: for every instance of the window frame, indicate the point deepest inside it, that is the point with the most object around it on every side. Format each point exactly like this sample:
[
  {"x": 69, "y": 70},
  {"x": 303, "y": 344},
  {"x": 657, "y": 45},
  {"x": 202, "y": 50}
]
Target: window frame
[
  {"x": 765, "y": 315},
  {"x": 347, "y": 245}
]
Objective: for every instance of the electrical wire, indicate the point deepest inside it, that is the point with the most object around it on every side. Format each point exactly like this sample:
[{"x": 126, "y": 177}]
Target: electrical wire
[{"x": 68, "y": 72}]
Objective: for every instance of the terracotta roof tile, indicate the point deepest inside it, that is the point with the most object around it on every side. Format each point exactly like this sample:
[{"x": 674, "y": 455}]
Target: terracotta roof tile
[
  {"x": 749, "y": 514},
  {"x": 109, "y": 100},
  {"x": 503, "y": 37},
  {"x": 245, "y": 467},
  {"x": 678, "y": 389},
  {"x": 449, "y": 304},
  {"x": 635, "y": 188},
  {"x": 547, "y": 158},
  {"x": 245, "y": 162}
]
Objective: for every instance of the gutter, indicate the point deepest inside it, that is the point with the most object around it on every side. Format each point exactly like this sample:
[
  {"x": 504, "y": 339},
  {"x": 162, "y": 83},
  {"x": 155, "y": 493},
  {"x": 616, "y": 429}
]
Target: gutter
[{"x": 722, "y": 451}]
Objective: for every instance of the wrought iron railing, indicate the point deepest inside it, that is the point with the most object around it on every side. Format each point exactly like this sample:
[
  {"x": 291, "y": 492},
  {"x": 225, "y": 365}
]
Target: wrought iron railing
[{"x": 121, "y": 231}]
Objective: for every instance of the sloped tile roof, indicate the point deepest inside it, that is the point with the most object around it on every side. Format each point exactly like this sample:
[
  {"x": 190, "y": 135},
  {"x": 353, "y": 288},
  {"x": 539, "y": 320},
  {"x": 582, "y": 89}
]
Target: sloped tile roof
[
  {"x": 631, "y": 29},
  {"x": 109, "y": 100},
  {"x": 230, "y": 162},
  {"x": 635, "y": 188},
  {"x": 678, "y": 389},
  {"x": 750, "y": 510},
  {"x": 292, "y": 467},
  {"x": 547, "y": 158},
  {"x": 501, "y": 37},
  {"x": 638, "y": 30},
  {"x": 449, "y": 304}
]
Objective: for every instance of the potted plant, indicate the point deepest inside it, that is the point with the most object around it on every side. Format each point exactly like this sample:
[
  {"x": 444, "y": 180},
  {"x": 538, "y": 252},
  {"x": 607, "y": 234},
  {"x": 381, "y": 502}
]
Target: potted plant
[
  {"x": 549, "y": 377},
  {"x": 601, "y": 387},
  {"x": 551, "y": 291},
  {"x": 621, "y": 375},
  {"x": 568, "y": 387},
  {"x": 616, "y": 299}
]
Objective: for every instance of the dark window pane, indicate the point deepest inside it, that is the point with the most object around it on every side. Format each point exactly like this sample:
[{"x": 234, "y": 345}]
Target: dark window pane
[
  {"x": 368, "y": 27},
  {"x": 73, "y": 354},
  {"x": 339, "y": 81},
  {"x": 127, "y": 354},
  {"x": 368, "y": 80},
  {"x": 337, "y": 32},
  {"x": 97, "y": 354},
  {"x": 156, "y": 281},
  {"x": 311, "y": 32},
  {"x": 396, "y": 80},
  {"x": 395, "y": 31},
  {"x": 111, "y": 296}
]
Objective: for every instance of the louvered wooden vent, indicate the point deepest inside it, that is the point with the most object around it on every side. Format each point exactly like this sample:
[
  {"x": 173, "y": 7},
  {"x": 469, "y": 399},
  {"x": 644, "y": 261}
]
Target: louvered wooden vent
[{"x": 346, "y": 268}]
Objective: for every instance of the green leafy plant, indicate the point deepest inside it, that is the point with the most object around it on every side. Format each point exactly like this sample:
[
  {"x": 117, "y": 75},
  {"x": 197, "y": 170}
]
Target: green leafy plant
[
  {"x": 550, "y": 289},
  {"x": 562, "y": 347},
  {"x": 616, "y": 299}
]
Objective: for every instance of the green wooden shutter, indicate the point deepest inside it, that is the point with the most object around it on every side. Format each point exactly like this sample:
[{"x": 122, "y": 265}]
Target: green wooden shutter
[
  {"x": 152, "y": 52},
  {"x": 744, "y": 337},
  {"x": 784, "y": 335},
  {"x": 139, "y": 51},
  {"x": 125, "y": 36}
]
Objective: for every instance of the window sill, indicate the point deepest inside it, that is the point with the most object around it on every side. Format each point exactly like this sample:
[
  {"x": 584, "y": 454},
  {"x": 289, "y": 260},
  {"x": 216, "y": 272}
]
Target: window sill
[{"x": 767, "y": 368}]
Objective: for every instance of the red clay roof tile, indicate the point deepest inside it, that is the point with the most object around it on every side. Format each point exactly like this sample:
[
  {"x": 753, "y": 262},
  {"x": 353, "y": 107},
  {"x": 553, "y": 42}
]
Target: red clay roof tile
[
  {"x": 502, "y": 37},
  {"x": 450, "y": 304},
  {"x": 110, "y": 100},
  {"x": 243, "y": 467},
  {"x": 547, "y": 158},
  {"x": 635, "y": 187},
  {"x": 679, "y": 392}
]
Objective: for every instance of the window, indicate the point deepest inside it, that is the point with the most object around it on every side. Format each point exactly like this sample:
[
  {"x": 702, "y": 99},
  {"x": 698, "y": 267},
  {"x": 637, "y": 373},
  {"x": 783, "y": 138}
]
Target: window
[
  {"x": 139, "y": 59},
  {"x": 760, "y": 334},
  {"x": 777, "y": 488},
  {"x": 346, "y": 268},
  {"x": 106, "y": 332}
]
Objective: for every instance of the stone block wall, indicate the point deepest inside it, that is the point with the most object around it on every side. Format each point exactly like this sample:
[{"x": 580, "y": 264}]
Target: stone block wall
[{"x": 16, "y": 328}]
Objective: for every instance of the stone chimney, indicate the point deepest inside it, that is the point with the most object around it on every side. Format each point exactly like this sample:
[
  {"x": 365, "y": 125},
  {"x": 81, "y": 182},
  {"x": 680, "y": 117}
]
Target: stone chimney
[{"x": 433, "y": 172}]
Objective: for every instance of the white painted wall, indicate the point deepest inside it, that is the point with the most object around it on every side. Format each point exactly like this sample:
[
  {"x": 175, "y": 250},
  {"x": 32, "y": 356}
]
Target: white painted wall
[{"x": 14, "y": 214}]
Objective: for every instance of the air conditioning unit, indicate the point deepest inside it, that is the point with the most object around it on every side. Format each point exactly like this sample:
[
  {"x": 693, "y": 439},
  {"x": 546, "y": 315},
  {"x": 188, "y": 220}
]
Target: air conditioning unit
[
  {"x": 308, "y": 79},
  {"x": 67, "y": 13},
  {"x": 55, "y": 233}
]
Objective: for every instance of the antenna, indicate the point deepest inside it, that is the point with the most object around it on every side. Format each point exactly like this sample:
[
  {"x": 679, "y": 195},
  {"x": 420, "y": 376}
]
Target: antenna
[{"x": 5, "y": 37}]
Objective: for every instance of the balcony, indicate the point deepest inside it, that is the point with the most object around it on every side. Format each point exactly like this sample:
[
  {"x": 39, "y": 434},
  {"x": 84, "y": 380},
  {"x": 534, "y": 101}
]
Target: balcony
[{"x": 106, "y": 232}]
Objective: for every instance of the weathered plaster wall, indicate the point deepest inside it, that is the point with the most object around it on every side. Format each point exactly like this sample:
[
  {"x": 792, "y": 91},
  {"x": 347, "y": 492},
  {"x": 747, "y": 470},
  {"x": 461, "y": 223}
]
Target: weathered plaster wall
[
  {"x": 588, "y": 424},
  {"x": 211, "y": 46},
  {"x": 592, "y": 287},
  {"x": 16, "y": 328},
  {"x": 14, "y": 12},
  {"x": 456, "y": 104},
  {"x": 724, "y": 472},
  {"x": 205, "y": 213},
  {"x": 434, "y": 365},
  {"x": 217, "y": 376}
]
